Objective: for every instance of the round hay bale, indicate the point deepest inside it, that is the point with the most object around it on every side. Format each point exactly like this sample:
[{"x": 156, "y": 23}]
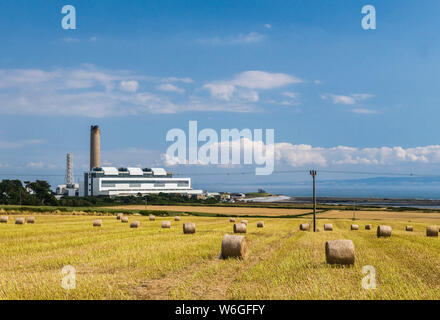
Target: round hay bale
[
  {"x": 135, "y": 224},
  {"x": 384, "y": 231},
  {"x": 189, "y": 227},
  {"x": 304, "y": 227},
  {"x": 166, "y": 224},
  {"x": 231, "y": 220},
  {"x": 234, "y": 247},
  {"x": 354, "y": 227},
  {"x": 328, "y": 227},
  {"x": 432, "y": 231},
  {"x": 176, "y": 218},
  {"x": 409, "y": 228},
  {"x": 244, "y": 221},
  {"x": 119, "y": 216},
  {"x": 124, "y": 219},
  {"x": 30, "y": 220},
  {"x": 240, "y": 228},
  {"x": 368, "y": 226},
  {"x": 260, "y": 224},
  {"x": 318, "y": 230},
  {"x": 97, "y": 223},
  {"x": 4, "y": 219},
  {"x": 152, "y": 218},
  {"x": 339, "y": 252},
  {"x": 20, "y": 221}
]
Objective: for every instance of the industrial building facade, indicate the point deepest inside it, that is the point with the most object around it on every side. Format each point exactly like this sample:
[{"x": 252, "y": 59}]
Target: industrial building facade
[{"x": 110, "y": 181}]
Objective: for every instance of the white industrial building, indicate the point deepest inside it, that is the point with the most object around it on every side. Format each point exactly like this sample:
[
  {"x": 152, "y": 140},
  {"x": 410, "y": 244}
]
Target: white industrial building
[{"x": 110, "y": 181}]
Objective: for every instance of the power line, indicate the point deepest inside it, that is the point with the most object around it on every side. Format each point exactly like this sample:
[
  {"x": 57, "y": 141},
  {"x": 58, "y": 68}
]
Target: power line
[{"x": 305, "y": 171}]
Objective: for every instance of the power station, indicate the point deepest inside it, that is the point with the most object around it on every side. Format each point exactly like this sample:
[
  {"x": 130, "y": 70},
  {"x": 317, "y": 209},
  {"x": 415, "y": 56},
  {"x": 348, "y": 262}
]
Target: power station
[{"x": 111, "y": 181}]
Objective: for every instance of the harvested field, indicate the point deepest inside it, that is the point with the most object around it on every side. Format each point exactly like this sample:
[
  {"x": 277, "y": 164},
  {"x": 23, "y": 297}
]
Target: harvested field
[
  {"x": 119, "y": 262},
  {"x": 220, "y": 210},
  {"x": 381, "y": 215}
]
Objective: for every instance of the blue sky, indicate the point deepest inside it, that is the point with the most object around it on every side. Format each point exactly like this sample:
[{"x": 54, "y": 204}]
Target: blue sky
[{"x": 339, "y": 97}]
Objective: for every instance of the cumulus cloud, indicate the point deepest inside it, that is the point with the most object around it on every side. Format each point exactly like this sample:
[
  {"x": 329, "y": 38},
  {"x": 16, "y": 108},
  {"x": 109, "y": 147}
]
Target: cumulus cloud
[
  {"x": 93, "y": 92},
  {"x": 245, "y": 85},
  {"x": 248, "y": 38},
  {"x": 168, "y": 87},
  {"x": 129, "y": 86},
  {"x": 347, "y": 100},
  {"x": 300, "y": 155}
]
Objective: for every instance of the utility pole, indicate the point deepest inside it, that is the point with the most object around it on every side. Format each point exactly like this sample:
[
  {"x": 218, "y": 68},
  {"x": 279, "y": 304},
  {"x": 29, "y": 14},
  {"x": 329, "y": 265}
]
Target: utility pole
[
  {"x": 354, "y": 211},
  {"x": 313, "y": 174}
]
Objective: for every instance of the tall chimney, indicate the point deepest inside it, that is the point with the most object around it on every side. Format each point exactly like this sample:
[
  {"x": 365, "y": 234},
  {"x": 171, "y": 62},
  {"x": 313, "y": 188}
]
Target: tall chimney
[{"x": 95, "y": 147}]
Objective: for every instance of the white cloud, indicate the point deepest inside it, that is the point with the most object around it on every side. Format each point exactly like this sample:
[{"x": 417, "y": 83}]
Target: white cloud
[
  {"x": 129, "y": 86},
  {"x": 251, "y": 37},
  {"x": 223, "y": 91},
  {"x": 268, "y": 26},
  {"x": 175, "y": 79},
  {"x": 20, "y": 143},
  {"x": 364, "y": 111},
  {"x": 263, "y": 80},
  {"x": 244, "y": 85},
  {"x": 347, "y": 100},
  {"x": 300, "y": 155},
  {"x": 168, "y": 87},
  {"x": 71, "y": 40},
  {"x": 36, "y": 165}
]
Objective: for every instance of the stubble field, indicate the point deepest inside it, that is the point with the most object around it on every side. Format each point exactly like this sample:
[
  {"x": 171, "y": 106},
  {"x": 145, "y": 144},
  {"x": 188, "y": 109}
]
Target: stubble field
[{"x": 117, "y": 262}]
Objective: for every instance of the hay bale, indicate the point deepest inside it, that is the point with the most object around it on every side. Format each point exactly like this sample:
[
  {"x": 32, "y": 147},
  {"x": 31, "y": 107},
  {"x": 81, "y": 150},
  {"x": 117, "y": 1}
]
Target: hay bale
[
  {"x": 119, "y": 216},
  {"x": 260, "y": 224},
  {"x": 354, "y": 227},
  {"x": 97, "y": 223},
  {"x": 152, "y": 218},
  {"x": 176, "y": 218},
  {"x": 124, "y": 219},
  {"x": 135, "y": 224},
  {"x": 166, "y": 224},
  {"x": 304, "y": 227},
  {"x": 318, "y": 230},
  {"x": 432, "y": 231},
  {"x": 189, "y": 227},
  {"x": 20, "y": 221},
  {"x": 240, "y": 228},
  {"x": 368, "y": 226},
  {"x": 384, "y": 231},
  {"x": 4, "y": 219},
  {"x": 244, "y": 221},
  {"x": 231, "y": 220},
  {"x": 339, "y": 252},
  {"x": 409, "y": 228},
  {"x": 328, "y": 227},
  {"x": 234, "y": 247},
  {"x": 30, "y": 220}
]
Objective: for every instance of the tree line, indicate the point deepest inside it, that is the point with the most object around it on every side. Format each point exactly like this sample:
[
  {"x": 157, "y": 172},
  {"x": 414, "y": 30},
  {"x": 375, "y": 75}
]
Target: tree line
[{"x": 39, "y": 193}]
